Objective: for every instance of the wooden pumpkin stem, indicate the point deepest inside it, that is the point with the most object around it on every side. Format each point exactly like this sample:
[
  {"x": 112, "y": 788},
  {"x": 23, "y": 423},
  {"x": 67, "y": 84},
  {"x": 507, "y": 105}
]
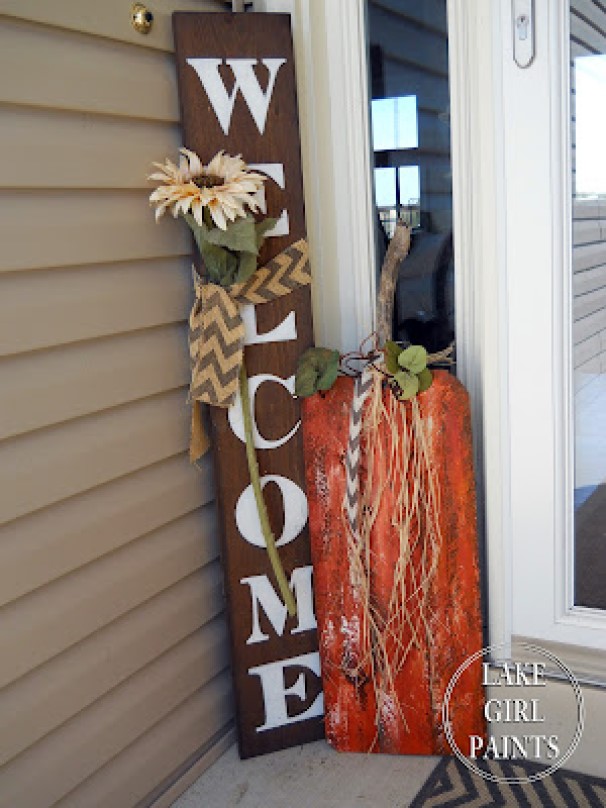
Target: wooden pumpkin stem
[{"x": 398, "y": 249}]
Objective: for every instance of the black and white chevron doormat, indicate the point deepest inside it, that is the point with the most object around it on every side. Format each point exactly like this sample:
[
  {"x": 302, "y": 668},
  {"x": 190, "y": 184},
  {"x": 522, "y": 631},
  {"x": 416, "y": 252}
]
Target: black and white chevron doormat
[{"x": 452, "y": 784}]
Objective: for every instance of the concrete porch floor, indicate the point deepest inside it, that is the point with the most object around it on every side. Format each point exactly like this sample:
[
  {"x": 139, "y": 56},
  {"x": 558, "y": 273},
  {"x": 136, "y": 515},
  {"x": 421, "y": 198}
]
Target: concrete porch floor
[{"x": 310, "y": 776}]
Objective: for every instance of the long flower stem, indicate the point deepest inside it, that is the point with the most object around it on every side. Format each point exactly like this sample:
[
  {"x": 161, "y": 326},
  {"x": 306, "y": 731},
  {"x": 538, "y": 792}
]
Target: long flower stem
[{"x": 253, "y": 469}]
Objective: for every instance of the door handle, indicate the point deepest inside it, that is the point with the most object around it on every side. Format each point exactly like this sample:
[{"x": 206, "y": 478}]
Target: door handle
[{"x": 523, "y": 32}]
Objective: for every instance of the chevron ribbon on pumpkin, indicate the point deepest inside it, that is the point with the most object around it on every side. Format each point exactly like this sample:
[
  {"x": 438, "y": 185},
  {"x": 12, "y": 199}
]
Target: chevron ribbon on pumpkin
[
  {"x": 216, "y": 330},
  {"x": 351, "y": 499}
]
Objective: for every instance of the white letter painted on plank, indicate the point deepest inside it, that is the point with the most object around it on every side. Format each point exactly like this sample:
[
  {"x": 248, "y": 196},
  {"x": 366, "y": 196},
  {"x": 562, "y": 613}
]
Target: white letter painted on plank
[
  {"x": 236, "y": 418},
  {"x": 274, "y": 171},
  {"x": 275, "y": 692},
  {"x": 284, "y": 332},
  {"x": 295, "y": 512},
  {"x": 245, "y": 81},
  {"x": 264, "y": 595}
]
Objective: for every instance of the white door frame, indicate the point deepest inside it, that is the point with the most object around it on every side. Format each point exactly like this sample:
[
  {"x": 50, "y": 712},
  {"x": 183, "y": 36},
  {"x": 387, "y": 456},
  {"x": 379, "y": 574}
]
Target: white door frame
[
  {"x": 477, "y": 127},
  {"x": 332, "y": 81},
  {"x": 513, "y": 225},
  {"x": 539, "y": 259}
]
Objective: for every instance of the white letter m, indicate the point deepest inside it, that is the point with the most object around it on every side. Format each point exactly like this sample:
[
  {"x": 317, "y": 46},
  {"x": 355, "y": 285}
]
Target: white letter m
[{"x": 263, "y": 594}]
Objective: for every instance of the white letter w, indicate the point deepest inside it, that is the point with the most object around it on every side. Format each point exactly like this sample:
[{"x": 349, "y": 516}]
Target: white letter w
[{"x": 245, "y": 80}]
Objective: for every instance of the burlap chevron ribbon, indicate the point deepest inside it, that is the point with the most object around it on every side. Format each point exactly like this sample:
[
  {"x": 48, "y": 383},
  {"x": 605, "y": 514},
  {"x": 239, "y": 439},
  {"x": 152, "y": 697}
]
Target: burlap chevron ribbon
[{"x": 216, "y": 330}]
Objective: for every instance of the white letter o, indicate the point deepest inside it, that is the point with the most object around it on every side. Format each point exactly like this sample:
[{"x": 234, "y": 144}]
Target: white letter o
[{"x": 295, "y": 512}]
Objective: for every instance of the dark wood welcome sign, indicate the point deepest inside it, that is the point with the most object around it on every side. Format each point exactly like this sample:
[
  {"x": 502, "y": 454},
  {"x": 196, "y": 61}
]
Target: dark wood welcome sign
[{"x": 237, "y": 90}]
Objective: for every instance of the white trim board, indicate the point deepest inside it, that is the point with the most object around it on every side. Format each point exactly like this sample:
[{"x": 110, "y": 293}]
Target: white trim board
[
  {"x": 332, "y": 87},
  {"x": 481, "y": 296}
]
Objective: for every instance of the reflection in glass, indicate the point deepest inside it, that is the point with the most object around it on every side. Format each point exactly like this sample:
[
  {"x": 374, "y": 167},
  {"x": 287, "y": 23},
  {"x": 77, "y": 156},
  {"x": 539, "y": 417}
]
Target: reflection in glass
[
  {"x": 408, "y": 57},
  {"x": 588, "y": 106},
  {"x": 394, "y": 123}
]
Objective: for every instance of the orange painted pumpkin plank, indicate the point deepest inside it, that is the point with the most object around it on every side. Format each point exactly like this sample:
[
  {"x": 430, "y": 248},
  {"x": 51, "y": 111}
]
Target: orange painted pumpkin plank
[
  {"x": 456, "y": 624},
  {"x": 349, "y": 700},
  {"x": 358, "y": 717}
]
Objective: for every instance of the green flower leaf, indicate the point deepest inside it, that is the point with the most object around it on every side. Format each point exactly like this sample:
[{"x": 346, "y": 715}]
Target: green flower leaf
[
  {"x": 199, "y": 231},
  {"x": 240, "y": 236},
  {"x": 220, "y": 264},
  {"x": 247, "y": 265},
  {"x": 318, "y": 369},
  {"x": 413, "y": 358},
  {"x": 262, "y": 228},
  {"x": 425, "y": 378},
  {"x": 392, "y": 351},
  {"x": 408, "y": 383}
]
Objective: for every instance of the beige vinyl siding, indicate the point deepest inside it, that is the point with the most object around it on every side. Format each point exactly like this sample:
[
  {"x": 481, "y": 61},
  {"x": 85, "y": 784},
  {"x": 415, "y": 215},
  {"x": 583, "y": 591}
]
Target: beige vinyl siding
[
  {"x": 589, "y": 289},
  {"x": 588, "y": 37},
  {"x": 114, "y": 675}
]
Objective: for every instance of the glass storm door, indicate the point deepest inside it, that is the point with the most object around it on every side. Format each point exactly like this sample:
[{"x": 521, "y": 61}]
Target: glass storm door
[{"x": 554, "y": 156}]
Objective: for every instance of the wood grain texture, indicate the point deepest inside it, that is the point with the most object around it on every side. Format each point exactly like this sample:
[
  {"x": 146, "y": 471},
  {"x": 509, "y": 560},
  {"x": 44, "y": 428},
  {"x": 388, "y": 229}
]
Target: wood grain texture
[
  {"x": 355, "y": 719},
  {"x": 257, "y": 36}
]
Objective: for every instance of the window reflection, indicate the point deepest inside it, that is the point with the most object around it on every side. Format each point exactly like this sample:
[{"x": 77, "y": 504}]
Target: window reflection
[
  {"x": 590, "y": 126},
  {"x": 394, "y": 123},
  {"x": 588, "y": 129}
]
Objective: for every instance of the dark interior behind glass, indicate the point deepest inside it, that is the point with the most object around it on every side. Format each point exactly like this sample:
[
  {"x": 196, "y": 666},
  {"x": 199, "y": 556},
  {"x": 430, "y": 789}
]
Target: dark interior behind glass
[{"x": 408, "y": 63}]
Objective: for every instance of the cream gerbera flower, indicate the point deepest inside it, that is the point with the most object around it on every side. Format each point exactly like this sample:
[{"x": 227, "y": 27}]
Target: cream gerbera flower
[{"x": 225, "y": 186}]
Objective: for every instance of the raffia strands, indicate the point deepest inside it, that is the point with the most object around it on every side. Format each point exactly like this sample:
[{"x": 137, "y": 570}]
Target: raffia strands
[
  {"x": 394, "y": 597},
  {"x": 398, "y": 604}
]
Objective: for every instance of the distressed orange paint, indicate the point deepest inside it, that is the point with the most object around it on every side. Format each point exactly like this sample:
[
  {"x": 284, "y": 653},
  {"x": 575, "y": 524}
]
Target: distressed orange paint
[
  {"x": 349, "y": 698},
  {"x": 358, "y": 717}
]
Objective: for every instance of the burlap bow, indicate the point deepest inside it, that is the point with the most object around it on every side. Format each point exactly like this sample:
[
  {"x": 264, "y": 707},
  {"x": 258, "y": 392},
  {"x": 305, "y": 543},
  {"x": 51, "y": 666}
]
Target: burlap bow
[{"x": 216, "y": 330}]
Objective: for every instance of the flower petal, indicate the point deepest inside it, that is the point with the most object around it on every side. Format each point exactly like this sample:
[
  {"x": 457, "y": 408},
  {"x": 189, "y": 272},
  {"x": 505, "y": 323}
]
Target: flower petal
[
  {"x": 216, "y": 211},
  {"x": 195, "y": 165},
  {"x": 197, "y": 211}
]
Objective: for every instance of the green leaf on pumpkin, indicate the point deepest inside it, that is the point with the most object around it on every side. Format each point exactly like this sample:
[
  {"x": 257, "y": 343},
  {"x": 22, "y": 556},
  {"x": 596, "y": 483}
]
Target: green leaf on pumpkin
[
  {"x": 425, "y": 378},
  {"x": 391, "y": 351},
  {"x": 413, "y": 358},
  {"x": 408, "y": 383},
  {"x": 317, "y": 370}
]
